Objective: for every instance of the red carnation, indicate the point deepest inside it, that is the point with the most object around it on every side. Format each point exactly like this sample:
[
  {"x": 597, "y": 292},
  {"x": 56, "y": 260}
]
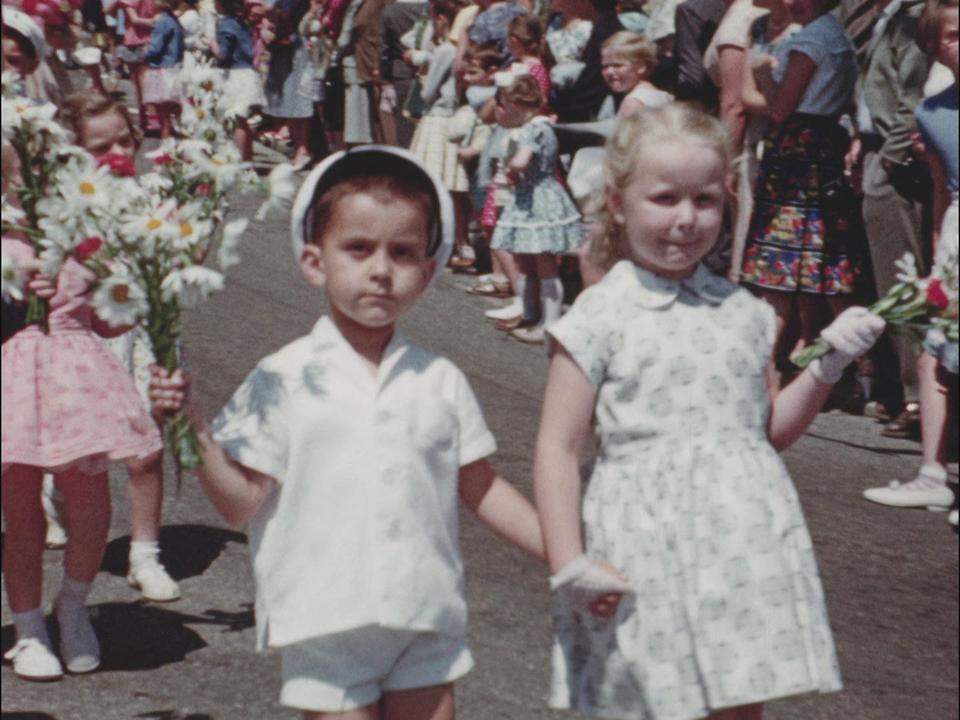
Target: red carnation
[
  {"x": 936, "y": 296},
  {"x": 163, "y": 159},
  {"x": 120, "y": 165},
  {"x": 87, "y": 247}
]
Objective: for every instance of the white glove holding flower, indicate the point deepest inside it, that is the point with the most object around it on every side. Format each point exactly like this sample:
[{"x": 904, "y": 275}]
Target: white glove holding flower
[
  {"x": 853, "y": 333},
  {"x": 582, "y": 582}
]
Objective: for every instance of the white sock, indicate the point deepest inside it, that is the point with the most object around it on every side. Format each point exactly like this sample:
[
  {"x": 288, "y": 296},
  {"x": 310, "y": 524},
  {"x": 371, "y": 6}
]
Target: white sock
[
  {"x": 30, "y": 624},
  {"x": 551, "y": 299},
  {"x": 78, "y": 641},
  {"x": 527, "y": 292},
  {"x": 931, "y": 475},
  {"x": 144, "y": 550}
]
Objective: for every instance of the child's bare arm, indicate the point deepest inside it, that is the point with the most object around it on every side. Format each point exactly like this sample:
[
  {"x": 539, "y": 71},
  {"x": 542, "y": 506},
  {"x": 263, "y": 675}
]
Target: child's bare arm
[
  {"x": 568, "y": 405},
  {"x": 501, "y": 507},
  {"x": 520, "y": 161},
  {"x": 236, "y": 491}
]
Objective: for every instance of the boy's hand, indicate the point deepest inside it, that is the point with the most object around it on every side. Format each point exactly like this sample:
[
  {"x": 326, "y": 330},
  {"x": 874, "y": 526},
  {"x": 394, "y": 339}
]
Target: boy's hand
[
  {"x": 169, "y": 392},
  {"x": 590, "y": 585}
]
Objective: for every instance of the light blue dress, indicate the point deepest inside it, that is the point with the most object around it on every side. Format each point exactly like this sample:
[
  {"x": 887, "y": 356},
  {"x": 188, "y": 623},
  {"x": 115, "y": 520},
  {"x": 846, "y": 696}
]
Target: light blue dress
[
  {"x": 692, "y": 503},
  {"x": 539, "y": 217}
]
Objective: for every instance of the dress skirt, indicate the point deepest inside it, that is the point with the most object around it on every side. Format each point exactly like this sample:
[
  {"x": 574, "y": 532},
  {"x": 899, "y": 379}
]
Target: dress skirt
[
  {"x": 162, "y": 85},
  {"x": 290, "y": 88},
  {"x": 438, "y": 154},
  {"x": 68, "y": 402},
  {"x": 243, "y": 90},
  {"x": 804, "y": 234}
]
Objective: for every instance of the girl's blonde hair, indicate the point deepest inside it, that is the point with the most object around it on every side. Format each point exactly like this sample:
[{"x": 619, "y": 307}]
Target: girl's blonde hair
[
  {"x": 631, "y": 47},
  {"x": 676, "y": 121},
  {"x": 80, "y": 106}
]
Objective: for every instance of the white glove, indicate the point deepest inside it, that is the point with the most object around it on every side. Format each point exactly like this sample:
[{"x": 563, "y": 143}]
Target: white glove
[
  {"x": 388, "y": 99},
  {"x": 855, "y": 331},
  {"x": 580, "y": 582}
]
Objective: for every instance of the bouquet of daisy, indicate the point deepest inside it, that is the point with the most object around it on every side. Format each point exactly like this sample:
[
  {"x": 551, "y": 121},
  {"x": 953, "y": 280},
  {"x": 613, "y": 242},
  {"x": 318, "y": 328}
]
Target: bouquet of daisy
[
  {"x": 918, "y": 304},
  {"x": 40, "y": 152}
]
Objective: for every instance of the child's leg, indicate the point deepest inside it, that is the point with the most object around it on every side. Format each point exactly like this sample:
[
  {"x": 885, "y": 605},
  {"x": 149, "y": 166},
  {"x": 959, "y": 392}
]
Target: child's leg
[
  {"x": 934, "y": 411},
  {"x": 747, "y": 712},
  {"x": 23, "y": 543},
  {"x": 527, "y": 289},
  {"x": 243, "y": 137},
  {"x": 145, "y": 490},
  {"x": 87, "y": 505},
  {"x": 551, "y": 287},
  {"x": 429, "y": 703}
]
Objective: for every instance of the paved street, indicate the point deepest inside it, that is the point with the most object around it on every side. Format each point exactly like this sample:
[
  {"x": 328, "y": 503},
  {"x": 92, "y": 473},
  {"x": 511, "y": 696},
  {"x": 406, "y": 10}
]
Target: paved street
[{"x": 890, "y": 576}]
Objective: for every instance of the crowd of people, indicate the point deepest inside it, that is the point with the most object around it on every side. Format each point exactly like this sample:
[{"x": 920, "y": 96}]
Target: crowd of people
[{"x": 664, "y": 170}]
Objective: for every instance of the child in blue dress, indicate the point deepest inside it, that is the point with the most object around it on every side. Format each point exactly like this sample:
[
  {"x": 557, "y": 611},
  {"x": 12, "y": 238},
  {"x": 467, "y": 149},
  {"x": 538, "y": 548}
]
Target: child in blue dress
[
  {"x": 715, "y": 605},
  {"x": 164, "y": 58},
  {"x": 539, "y": 221}
]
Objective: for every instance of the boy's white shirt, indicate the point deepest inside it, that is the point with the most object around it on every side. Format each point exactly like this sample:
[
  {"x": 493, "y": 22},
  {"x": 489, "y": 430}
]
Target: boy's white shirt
[{"x": 363, "y": 527}]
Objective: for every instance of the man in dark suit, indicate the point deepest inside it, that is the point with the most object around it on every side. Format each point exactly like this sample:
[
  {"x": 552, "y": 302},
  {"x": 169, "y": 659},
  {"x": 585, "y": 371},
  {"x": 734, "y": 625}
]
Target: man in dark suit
[{"x": 696, "y": 22}]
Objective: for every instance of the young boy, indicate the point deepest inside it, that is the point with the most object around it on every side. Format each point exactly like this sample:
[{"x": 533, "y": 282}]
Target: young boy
[{"x": 344, "y": 452}]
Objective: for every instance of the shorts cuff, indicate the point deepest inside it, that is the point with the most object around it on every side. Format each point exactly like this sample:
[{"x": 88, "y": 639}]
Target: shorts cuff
[
  {"x": 431, "y": 672},
  {"x": 314, "y": 695}
]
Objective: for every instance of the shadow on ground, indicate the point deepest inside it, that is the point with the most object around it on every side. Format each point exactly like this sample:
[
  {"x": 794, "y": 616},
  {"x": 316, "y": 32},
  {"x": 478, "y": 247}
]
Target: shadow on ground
[
  {"x": 186, "y": 550},
  {"x": 137, "y": 636}
]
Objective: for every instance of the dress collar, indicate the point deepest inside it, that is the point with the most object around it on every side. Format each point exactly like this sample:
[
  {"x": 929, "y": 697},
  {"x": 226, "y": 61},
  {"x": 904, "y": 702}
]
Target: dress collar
[{"x": 655, "y": 292}]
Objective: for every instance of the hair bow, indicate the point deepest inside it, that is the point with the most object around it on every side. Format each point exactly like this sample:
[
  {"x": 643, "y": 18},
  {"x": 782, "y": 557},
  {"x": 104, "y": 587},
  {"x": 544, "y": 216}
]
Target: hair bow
[{"x": 506, "y": 78}]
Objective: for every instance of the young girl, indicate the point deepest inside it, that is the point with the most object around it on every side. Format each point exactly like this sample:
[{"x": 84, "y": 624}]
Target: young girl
[
  {"x": 102, "y": 127},
  {"x": 628, "y": 61},
  {"x": 138, "y": 17},
  {"x": 164, "y": 58},
  {"x": 68, "y": 407},
  {"x": 695, "y": 592},
  {"x": 539, "y": 220},
  {"x": 233, "y": 49},
  {"x": 439, "y": 93},
  {"x": 369, "y": 454},
  {"x": 937, "y": 35}
]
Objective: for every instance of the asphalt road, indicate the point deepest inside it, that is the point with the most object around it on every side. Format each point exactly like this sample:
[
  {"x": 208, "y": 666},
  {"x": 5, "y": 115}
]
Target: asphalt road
[{"x": 890, "y": 575}]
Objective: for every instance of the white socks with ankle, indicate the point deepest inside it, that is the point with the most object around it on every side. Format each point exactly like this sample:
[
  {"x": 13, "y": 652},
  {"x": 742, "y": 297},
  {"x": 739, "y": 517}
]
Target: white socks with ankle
[
  {"x": 78, "y": 641},
  {"x": 144, "y": 550},
  {"x": 31, "y": 624},
  {"x": 551, "y": 299}
]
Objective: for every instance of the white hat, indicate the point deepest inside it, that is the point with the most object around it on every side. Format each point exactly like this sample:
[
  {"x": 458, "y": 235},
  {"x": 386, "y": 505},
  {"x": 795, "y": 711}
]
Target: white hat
[
  {"x": 337, "y": 167},
  {"x": 28, "y": 27}
]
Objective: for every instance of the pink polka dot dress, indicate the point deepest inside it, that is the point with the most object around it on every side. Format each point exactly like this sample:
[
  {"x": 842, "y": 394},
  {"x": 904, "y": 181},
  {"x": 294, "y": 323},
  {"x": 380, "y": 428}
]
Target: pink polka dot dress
[{"x": 66, "y": 400}]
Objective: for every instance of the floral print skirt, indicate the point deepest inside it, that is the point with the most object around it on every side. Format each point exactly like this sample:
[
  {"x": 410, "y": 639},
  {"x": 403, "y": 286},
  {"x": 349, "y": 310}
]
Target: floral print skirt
[{"x": 805, "y": 230}]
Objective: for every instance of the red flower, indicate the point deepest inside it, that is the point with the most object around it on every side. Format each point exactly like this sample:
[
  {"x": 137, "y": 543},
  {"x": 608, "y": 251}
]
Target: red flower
[
  {"x": 87, "y": 247},
  {"x": 936, "y": 296},
  {"x": 163, "y": 159},
  {"x": 120, "y": 165},
  {"x": 203, "y": 189}
]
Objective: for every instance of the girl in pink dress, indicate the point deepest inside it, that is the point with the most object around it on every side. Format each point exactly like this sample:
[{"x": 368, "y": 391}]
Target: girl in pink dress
[{"x": 68, "y": 407}]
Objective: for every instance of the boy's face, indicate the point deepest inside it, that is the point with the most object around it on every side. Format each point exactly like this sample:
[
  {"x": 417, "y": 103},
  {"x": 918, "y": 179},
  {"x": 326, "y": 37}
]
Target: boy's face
[
  {"x": 14, "y": 58},
  {"x": 620, "y": 74},
  {"x": 473, "y": 74},
  {"x": 372, "y": 259}
]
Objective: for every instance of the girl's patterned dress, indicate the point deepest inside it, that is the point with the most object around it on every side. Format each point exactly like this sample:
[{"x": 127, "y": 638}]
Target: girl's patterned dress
[
  {"x": 539, "y": 216},
  {"x": 66, "y": 401},
  {"x": 692, "y": 503}
]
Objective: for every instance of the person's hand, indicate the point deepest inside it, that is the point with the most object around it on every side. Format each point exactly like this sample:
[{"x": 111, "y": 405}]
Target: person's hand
[
  {"x": 407, "y": 57},
  {"x": 388, "y": 99},
  {"x": 853, "y": 164},
  {"x": 852, "y": 334},
  {"x": 169, "y": 392},
  {"x": 38, "y": 283},
  {"x": 467, "y": 155},
  {"x": 590, "y": 586}
]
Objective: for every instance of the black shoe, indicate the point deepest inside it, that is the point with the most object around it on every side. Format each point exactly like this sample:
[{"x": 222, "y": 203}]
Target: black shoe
[{"x": 906, "y": 425}]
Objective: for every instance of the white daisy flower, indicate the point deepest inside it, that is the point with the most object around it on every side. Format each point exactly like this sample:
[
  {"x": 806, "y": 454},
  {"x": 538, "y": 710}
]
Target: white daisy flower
[
  {"x": 13, "y": 277},
  {"x": 119, "y": 301},
  {"x": 86, "y": 189},
  {"x": 191, "y": 285},
  {"x": 227, "y": 255},
  {"x": 282, "y": 188}
]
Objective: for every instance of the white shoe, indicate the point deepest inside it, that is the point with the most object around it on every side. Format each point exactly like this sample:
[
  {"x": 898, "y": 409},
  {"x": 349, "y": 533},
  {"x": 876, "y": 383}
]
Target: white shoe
[
  {"x": 33, "y": 659},
  {"x": 509, "y": 311},
  {"x": 915, "y": 493},
  {"x": 534, "y": 335},
  {"x": 152, "y": 580},
  {"x": 953, "y": 517},
  {"x": 79, "y": 646}
]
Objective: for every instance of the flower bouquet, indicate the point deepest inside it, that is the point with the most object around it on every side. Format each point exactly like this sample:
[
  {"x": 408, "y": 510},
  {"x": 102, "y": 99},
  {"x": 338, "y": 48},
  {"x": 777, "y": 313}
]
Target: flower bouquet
[{"x": 919, "y": 304}]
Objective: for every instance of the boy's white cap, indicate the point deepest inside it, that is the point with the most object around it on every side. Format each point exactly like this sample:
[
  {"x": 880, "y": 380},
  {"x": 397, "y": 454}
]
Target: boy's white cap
[
  {"x": 329, "y": 172},
  {"x": 28, "y": 27}
]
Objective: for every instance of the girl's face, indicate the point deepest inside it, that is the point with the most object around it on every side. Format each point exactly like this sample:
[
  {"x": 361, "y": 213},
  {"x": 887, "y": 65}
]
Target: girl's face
[
  {"x": 620, "y": 75},
  {"x": 516, "y": 47},
  {"x": 473, "y": 74},
  {"x": 16, "y": 60},
  {"x": 672, "y": 209},
  {"x": 510, "y": 114},
  {"x": 949, "y": 43},
  {"x": 372, "y": 259},
  {"x": 107, "y": 133}
]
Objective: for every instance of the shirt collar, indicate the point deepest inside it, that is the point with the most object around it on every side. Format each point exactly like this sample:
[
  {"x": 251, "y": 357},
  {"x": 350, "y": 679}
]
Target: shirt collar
[
  {"x": 655, "y": 292},
  {"x": 327, "y": 337}
]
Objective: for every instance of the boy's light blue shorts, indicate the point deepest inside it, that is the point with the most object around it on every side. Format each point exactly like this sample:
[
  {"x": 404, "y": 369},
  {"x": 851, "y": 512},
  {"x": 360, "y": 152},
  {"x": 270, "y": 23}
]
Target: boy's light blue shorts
[{"x": 350, "y": 670}]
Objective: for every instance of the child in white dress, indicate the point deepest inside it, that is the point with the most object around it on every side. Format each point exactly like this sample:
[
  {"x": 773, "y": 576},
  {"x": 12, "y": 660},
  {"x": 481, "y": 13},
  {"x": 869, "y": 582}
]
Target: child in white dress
[
  {"x": 345, "y": 452},
  {"x": 715, "y": 603}
]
